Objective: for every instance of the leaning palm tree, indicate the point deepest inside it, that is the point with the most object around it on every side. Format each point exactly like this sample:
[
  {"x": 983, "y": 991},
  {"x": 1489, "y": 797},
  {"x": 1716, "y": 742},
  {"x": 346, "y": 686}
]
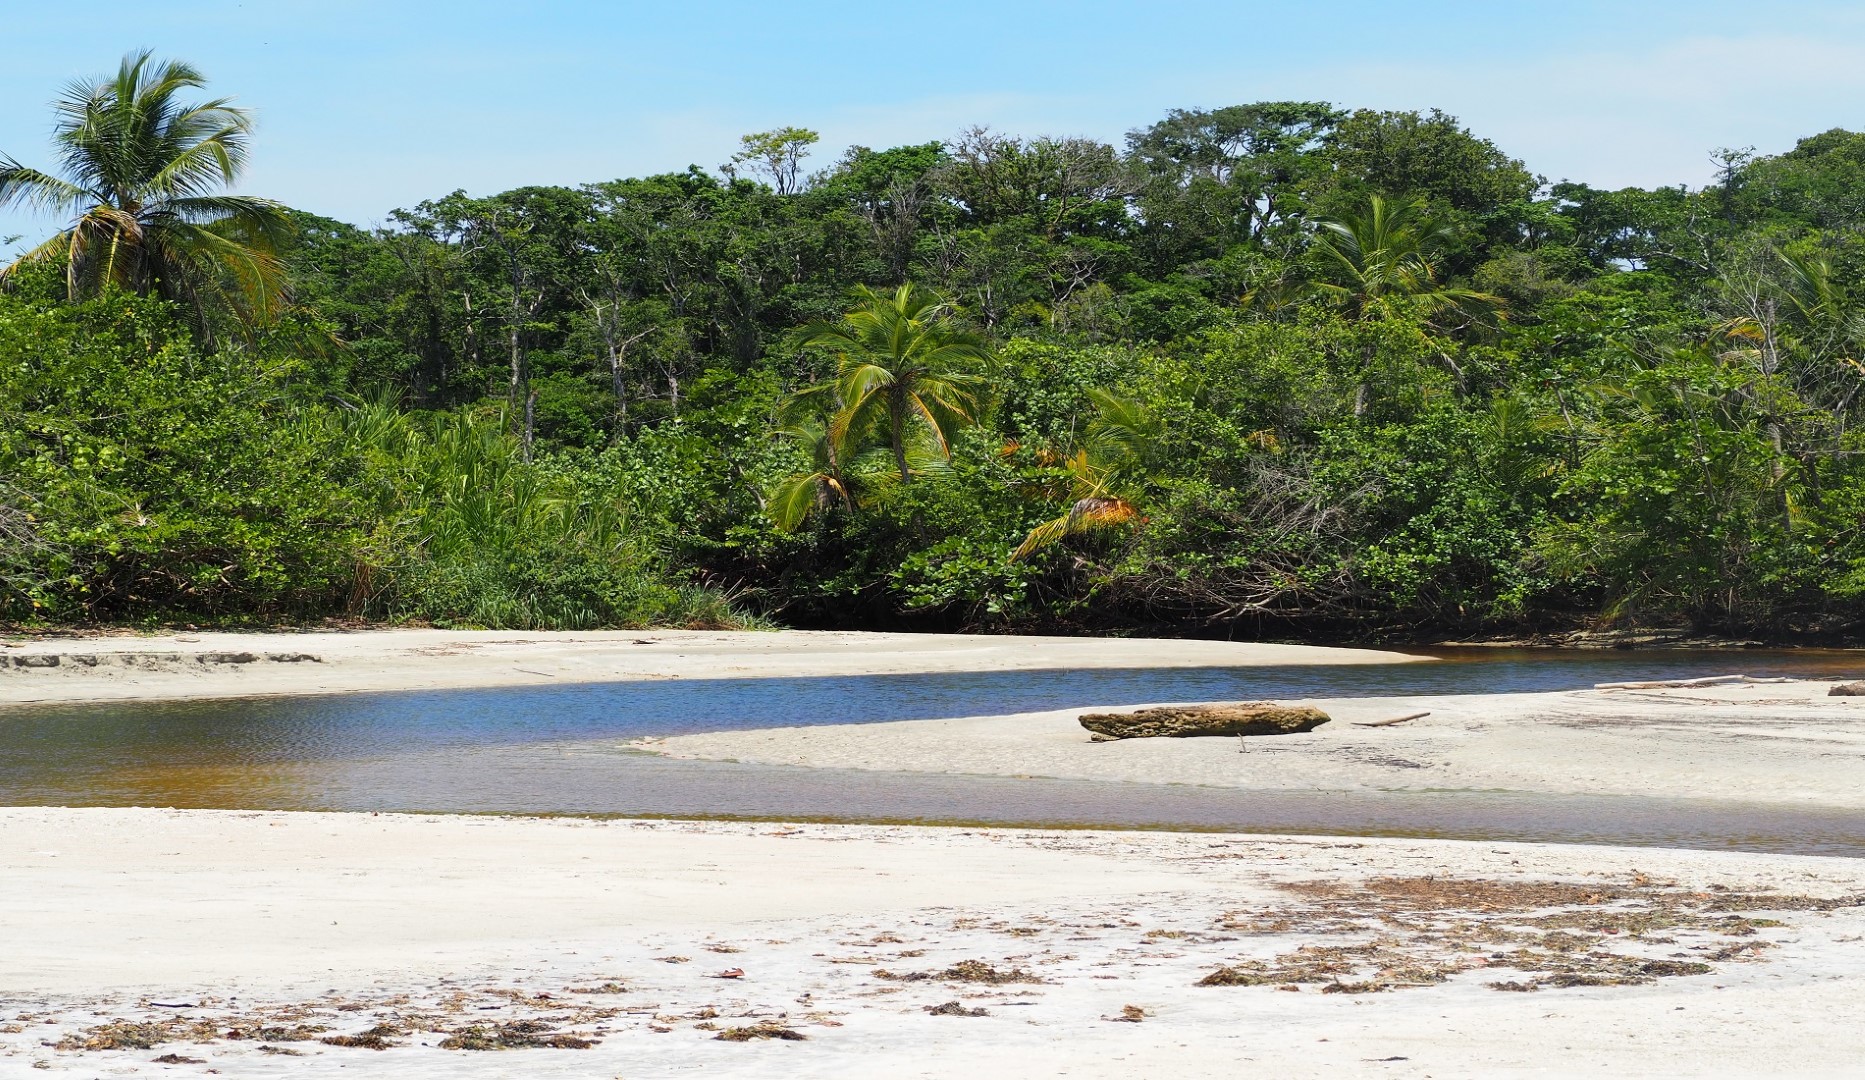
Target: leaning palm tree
[
  {"x": 140, "y": 181},
  {"x": 1105, "y": 473},
  {"x": 840, "y": 473},
  {"x": 902, "y": 370}
]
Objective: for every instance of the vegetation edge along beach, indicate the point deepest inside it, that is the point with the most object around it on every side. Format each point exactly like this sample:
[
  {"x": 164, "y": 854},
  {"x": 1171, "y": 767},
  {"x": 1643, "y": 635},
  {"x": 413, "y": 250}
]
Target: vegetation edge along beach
[{"x": 1281, "y": 369}]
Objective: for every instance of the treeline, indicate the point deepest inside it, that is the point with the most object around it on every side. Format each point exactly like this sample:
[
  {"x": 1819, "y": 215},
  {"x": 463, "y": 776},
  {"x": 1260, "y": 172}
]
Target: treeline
[{"x": 1271, "y": 369}]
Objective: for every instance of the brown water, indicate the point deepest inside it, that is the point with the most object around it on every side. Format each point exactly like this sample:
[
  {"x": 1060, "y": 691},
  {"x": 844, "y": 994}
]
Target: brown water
[{"x": 553, "y": 750}]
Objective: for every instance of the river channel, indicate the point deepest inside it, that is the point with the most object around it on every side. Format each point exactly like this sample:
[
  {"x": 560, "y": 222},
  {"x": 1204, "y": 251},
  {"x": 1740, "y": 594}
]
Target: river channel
[{"x": 557, "y": 750}]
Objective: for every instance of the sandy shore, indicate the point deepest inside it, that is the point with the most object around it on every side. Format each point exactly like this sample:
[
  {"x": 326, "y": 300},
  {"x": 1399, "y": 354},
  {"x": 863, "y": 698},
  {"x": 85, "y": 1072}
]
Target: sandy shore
[
  {"x": 238, "y": 941},
  {"x": 1778, "y": 743},
  {"x": 249, "y": 665},
  {"x": 155, "y": 942}
]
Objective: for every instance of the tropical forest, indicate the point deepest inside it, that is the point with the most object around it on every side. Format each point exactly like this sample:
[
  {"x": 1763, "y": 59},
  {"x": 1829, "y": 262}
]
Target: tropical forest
[{"x": 1285, "y": 369}]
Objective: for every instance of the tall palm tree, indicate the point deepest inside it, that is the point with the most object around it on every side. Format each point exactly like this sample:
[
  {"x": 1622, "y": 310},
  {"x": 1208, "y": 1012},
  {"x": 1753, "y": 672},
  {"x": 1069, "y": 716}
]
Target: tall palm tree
[
  {"x": 140, "y": 179},
  {"x": 901, "y": 370}
]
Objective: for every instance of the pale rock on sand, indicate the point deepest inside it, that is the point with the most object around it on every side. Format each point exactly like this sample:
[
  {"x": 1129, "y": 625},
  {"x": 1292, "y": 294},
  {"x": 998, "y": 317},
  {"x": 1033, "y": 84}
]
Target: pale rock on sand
[
  {"x": 1778, "y": 743},
  {"x": 171, "y": 930},
  {"x": 251, "y": 665}
]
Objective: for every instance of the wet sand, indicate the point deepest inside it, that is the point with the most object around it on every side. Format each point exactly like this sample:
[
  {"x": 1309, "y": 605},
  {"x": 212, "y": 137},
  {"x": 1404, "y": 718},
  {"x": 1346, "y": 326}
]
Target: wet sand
[{"x": 291, "y": 928}]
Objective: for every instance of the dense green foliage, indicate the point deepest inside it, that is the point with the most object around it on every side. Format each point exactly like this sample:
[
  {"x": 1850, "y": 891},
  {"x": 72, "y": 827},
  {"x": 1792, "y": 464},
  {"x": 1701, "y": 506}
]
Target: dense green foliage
[{"x": 1276, "y": 368}]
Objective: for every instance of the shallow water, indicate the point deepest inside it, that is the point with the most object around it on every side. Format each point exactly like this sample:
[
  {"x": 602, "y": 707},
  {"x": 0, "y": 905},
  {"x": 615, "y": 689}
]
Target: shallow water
[{"x": 553, "y": 750}]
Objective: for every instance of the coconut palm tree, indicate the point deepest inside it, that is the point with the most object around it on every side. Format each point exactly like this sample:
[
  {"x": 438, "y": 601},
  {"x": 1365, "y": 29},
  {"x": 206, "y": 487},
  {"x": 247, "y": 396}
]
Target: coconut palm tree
[
  {"x": 841, "y": 473},
  {"x": 1383, "y": 261},
  {"x": 902, "y": 370},
  {"x": 140, "y": 181},
  {"x": 827, "y": 481}
]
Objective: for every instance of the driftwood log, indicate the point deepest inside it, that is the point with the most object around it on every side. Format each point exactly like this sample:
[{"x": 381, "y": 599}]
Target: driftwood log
[{"x": 1193, "y": 721}]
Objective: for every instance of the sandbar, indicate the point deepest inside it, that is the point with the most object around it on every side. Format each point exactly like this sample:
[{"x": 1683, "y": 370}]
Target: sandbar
[
  {"x": 1783, "y": 744},
  {"x": 146, "y": 941},
  {"x": 222, "y": 665}
]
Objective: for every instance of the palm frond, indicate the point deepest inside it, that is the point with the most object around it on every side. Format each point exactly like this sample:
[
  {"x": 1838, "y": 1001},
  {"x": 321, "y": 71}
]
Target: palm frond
[
  {"x": 34, "y": 190},
  {"x": 792, "y": 500},
  {"x": 1124, "y": 427},
  {"x": 1085, "y": 515},
  {"x": 54, "y": 249}
]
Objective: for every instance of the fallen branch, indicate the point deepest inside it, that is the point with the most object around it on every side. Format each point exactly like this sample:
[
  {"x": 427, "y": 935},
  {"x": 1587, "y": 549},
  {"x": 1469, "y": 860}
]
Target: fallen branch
[
  {"x": 1394, "y": 720},
  {"x": 1668, "y": 684}
]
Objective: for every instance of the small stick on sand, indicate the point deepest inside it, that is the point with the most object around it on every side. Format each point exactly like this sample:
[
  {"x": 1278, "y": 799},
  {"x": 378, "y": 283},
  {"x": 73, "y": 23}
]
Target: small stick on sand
[
  {"x": 1394, "y": 720},
  {"x": 1668, "y": 684}
]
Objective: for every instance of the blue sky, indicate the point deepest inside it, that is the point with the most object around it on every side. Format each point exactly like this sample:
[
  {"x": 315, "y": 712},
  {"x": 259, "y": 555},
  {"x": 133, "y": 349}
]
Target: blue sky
[{"x": 364, "y": 107}]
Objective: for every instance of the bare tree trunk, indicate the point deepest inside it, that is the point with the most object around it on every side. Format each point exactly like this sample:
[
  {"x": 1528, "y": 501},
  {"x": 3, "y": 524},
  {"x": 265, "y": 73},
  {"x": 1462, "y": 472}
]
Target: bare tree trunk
[
  {"x": 620, "y": 387},
  {"x": 1361, "y": 391},
  {"x": 618, "y": 371},
  {"x": 524, "y": 306},
  {"x": 472, "y": 332},
  {"x": 530, "y": 423},
  {"x": 518, "y": 362}
]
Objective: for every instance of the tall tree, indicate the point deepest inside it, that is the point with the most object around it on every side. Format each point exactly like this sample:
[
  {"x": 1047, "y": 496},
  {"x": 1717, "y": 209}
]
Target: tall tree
[
  {"x": 776, "y": 155},
  {"x": 892, "y": 192},
  {"x": 1432, "y": 157},
  {"x": 1216, "y": 177},
  {"x": 1063, "y": 187},
  {"x": 142, "y": 176}
]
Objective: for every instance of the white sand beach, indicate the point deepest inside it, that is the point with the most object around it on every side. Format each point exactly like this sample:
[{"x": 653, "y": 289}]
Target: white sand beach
[
  {"x": 1786, "y": 743},
  {"x": 237, "y": 942},
  {"x": 145, "y": 942},
  {"x": 219, "y": 665}
]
